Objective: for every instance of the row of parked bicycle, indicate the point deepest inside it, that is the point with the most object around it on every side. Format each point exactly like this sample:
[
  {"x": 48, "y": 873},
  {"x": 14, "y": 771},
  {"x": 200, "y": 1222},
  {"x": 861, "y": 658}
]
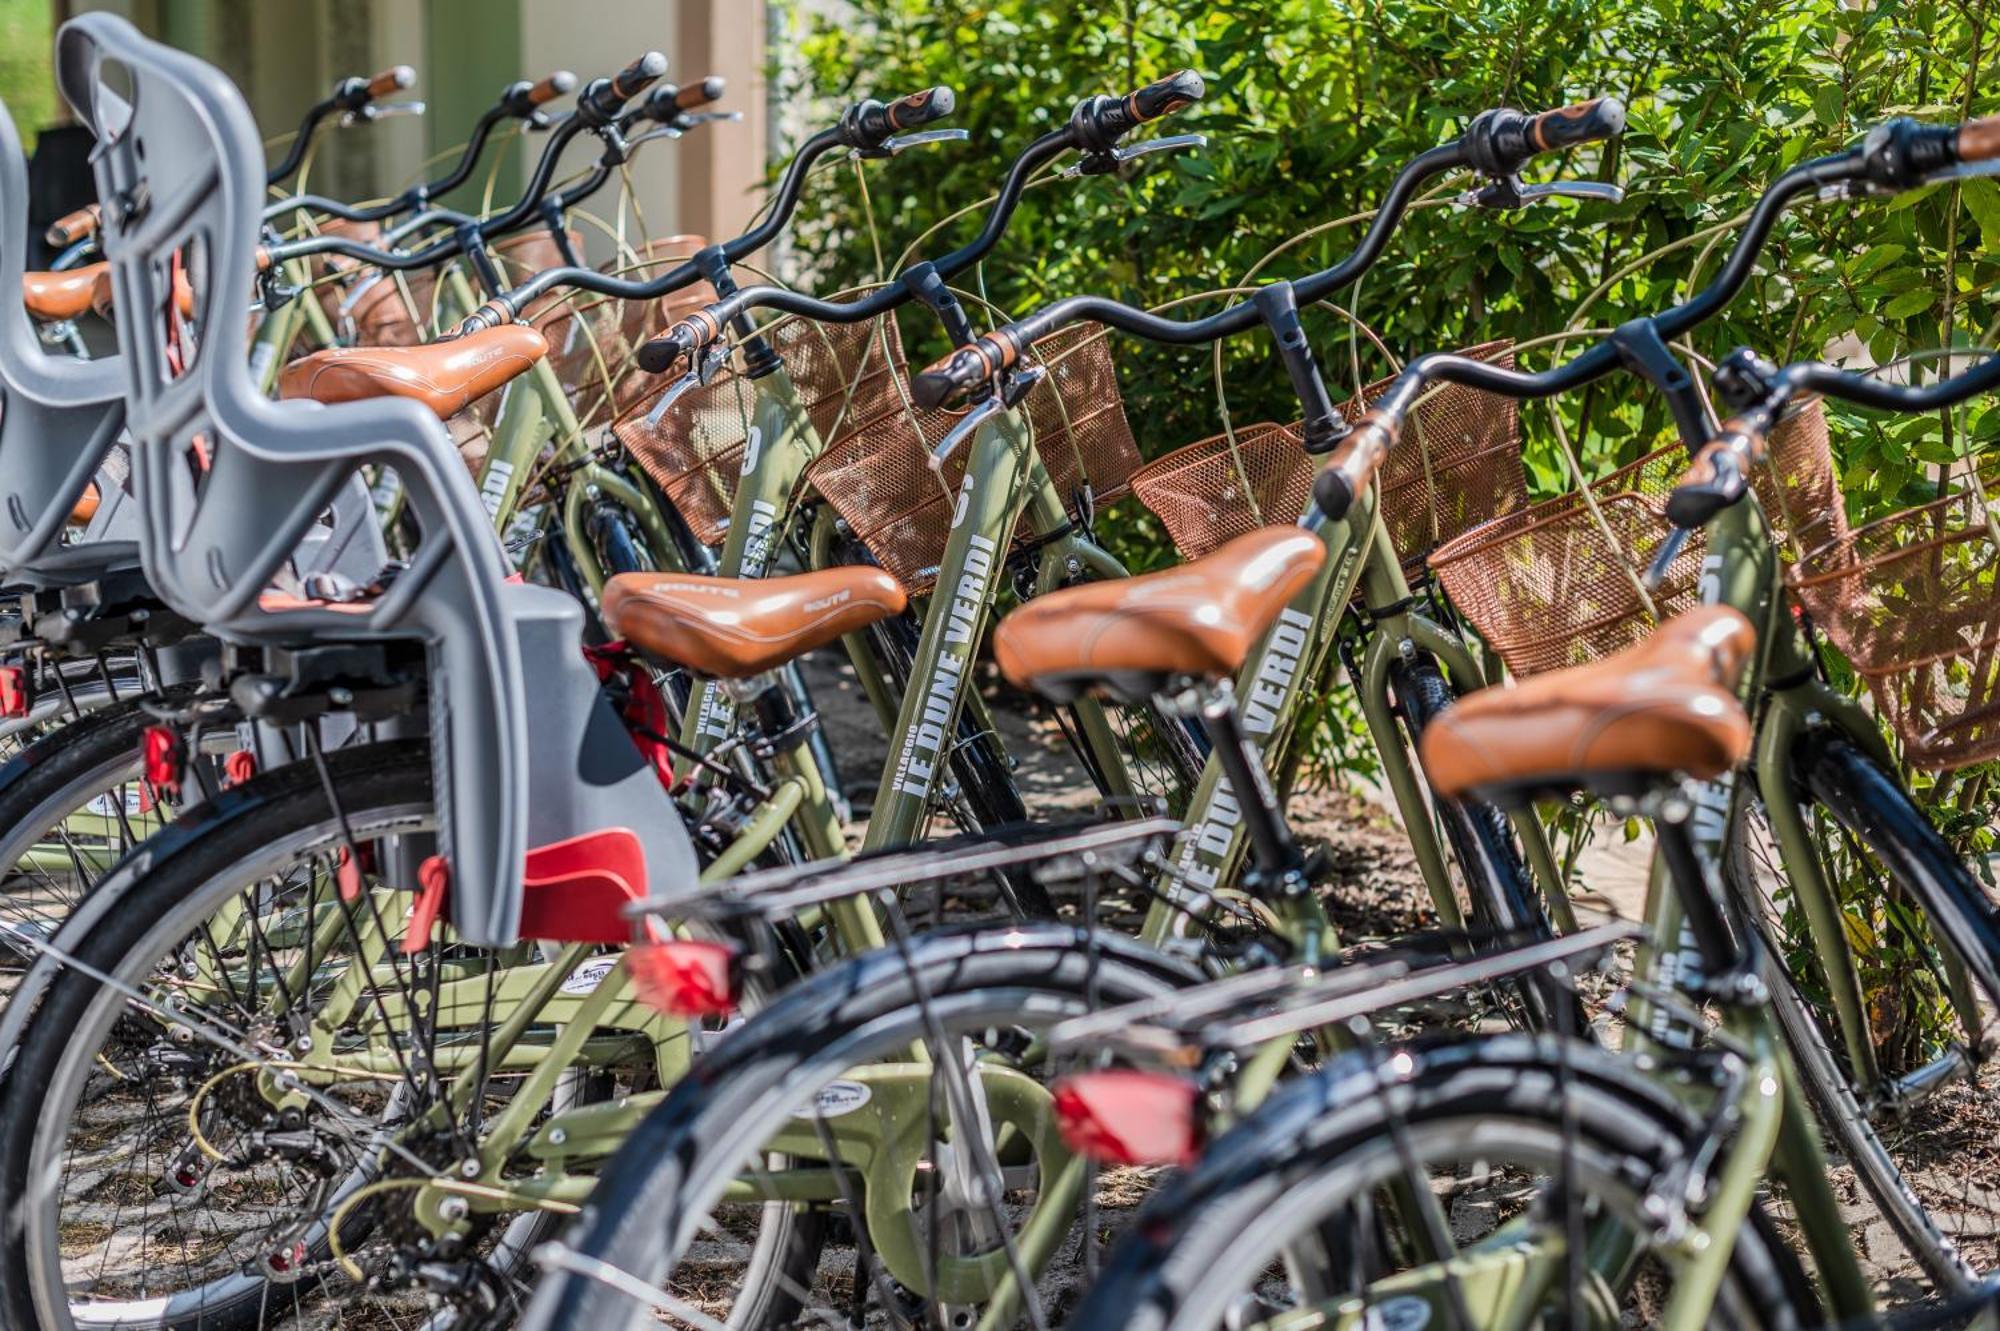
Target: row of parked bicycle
[{"x": 427, "y": 894}]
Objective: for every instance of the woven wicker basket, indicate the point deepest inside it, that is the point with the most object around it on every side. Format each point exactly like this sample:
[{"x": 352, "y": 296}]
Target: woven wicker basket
[
  {"x": 876, "y": 472},
  {"x": 1913, "y": 600},
  {"x": 1458, "y": 464},
  {"x": 694, "y": 453},
  {"x": 1559, "y": 583}
]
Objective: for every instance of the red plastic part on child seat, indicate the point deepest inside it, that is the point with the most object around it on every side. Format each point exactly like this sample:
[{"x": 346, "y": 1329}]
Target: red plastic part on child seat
[
  {"x": 15, "y": 695},
  {"x": 165, "y": 759},
  {"x": 685, "y": 977},
  {"x": 433, "y": 882},
  {"x": 239, "y": 767},
  {"x": 575, "y": 891},
  {"x": 1123, "y": 1116}
]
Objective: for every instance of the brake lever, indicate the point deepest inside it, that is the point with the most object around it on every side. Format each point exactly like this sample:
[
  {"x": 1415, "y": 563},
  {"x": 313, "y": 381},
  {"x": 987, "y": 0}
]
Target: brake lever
[
  {"x": 692, "y": 118},
  {"x": 890, "y": 147},
  {"x": 1965, "y": 171},
  {"x": 1016, "y": 387},
  {"x": 710, "y": 360},
  {"x": 383, "y": 110},
  {"x": 987, "y": 408},
  {"x": 1097, "y": 164},
  {"x": 1670, "y": 549},
  {"x": 1511, "y": 193},
  {"x": 680, "y": 388}
]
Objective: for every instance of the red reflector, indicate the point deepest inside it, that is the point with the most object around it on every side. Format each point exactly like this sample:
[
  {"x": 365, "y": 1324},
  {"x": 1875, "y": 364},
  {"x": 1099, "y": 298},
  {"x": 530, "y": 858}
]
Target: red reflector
[
  {"x": 15, "y": 695},
  {"x": 433, "y": 881},
  {"x": 166, "y": 759},
  {"x": 239, "y": 767},
  {"x": 1122, "y": 1116},
  {"x": 685, "y": 977},
  {"x": 348, "y": 875}
]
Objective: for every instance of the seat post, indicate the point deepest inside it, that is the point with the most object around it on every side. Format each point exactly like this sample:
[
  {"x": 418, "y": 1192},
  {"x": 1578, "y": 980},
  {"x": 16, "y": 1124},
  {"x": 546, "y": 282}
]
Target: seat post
[
  {"x": 1694, "y": 878},
  {"x": 1275, "y": 855}
]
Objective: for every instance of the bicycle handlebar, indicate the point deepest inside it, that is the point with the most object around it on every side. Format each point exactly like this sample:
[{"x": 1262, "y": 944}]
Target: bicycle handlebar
[
  {"x": 688, "y": 336},
  {"x": 350, "y": 96},
  {"x": 1496, "y": 142},
  {"x": 354, "y": 94},
  {"x": 856, "y": 128},
  {"x": 1899, "y": 155},
  {"x": 520, "y": 101},
  {"x": 1501, "y": 141}
]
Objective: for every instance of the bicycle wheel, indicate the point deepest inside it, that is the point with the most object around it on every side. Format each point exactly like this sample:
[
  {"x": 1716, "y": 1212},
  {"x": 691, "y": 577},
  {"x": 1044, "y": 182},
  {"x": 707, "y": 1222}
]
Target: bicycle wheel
[
  {"x": 244, "y": 1076},
  {"x": 1916, "y": 1129},
  {"x": 73, "y": 803},
  {"x": 826, "y": 1081},
  {"x": 1383, "y": 1190}
]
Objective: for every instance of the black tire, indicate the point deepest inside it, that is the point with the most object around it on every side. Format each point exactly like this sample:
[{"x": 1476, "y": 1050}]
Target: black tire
[
  {"x": 671, "y": 1169},
  {"x": 58, "y": 774},
  {"x": 1323, "y": 1141},
  {"x": 163, "y": 893},
  {"x": 1506, "y": 902},
  {"x": 150, "y": 887},
  {"x": 1848, "y": 794}
]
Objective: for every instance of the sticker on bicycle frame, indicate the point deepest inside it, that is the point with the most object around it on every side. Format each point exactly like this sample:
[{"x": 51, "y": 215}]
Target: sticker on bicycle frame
[
  {"x": 1405, "y": 1312},
  {"x": 585, "y": 978},
  {"x": 837, "y": 1098}
]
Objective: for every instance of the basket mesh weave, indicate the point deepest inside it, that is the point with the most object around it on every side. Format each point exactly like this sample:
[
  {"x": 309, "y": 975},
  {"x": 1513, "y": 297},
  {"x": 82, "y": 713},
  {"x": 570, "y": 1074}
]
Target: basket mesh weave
[
  {"x": 1546, "y": 588},
  {"x": 596, "y": 344},
  {"x": 1914, "y": 602},
  {"x": 694, "y": 453},
  {"x": 875, "y": 472},
  {"x": 1458, "y": 464}
]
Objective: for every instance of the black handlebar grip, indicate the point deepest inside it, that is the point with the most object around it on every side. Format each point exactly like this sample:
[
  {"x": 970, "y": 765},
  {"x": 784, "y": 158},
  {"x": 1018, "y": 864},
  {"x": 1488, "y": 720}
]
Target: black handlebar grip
[
  {"x": 1593, "y": 121},
  {"x": 920, "y": 108},
  {"x": 1720, "y": 473},
  {"x": 957, "y": 374},
  {"x": 1354, "y": 462},
  {"x": 1165, "y": 96},
  {"x": 1099, "y": 122},
  {"x": 868, "y": 124},
  {"x": 699, "y": 93},
  {"x": 1501, "y": 141},
  {"x": 72, "y": 227}
]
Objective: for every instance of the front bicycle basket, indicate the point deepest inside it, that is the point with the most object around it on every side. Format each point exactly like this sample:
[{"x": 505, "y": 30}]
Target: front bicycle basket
[
  {"x": 1458, "y": 465},
  {"x": 1913, "y": 600},
  {"x": 1560, "y": 583},
  {"x": 694, "y": 453},
  {"x": 876, "y": 472}
]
